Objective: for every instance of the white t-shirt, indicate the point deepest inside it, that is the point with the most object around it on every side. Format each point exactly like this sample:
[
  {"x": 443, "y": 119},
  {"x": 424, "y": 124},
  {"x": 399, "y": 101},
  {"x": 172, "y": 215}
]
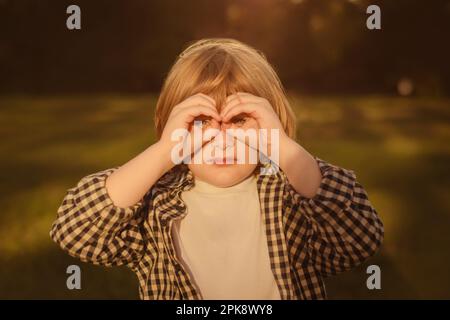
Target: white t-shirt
[{"x": 222, "y": 242}]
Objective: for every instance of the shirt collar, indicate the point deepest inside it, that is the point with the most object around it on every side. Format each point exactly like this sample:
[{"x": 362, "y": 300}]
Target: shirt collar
[{"x": 180, "y": 178}]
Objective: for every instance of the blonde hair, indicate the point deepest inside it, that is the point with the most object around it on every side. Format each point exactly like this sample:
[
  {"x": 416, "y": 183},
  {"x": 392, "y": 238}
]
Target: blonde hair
[{"x": 219, "y": 67}]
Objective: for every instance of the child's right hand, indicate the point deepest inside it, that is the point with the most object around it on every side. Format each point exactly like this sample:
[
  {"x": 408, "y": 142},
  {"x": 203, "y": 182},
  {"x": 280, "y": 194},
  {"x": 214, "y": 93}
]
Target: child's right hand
[
  {"x": 129, "y": 183},
  {"x": 183, "y": 115}
]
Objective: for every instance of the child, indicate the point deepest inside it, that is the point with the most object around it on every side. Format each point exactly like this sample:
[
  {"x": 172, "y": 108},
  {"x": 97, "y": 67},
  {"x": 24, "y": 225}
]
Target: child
[{"x": 215, "y": 230}]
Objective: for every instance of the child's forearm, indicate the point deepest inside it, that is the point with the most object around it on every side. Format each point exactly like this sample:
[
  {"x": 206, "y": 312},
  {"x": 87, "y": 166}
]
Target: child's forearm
[
  {"x": 128, "y": 184},
  {"x": 300, "y": 167}
]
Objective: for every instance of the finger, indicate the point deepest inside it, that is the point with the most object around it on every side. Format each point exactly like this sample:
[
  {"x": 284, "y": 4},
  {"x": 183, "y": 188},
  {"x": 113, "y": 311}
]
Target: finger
[
  {"x": 200, "y": 102},
  {"x": 203, "y": 99},
  {"x": 196, "y": 111},
  {"x": 206, "y": 139},
  {"x": 206, "y": 135},
  {"x": 249, "y": 108},
  {"x": 205, "y": 96},
  {"x": 242, "y": 97},
  {"x": 203, "y": 105},
  {"x": 207, "y": 145},
  {"x": 197, "y": 99},
  {"x": 238, "y": 100},
  {"x": 191, "y": 109},
  {"x": 237, "y": 138}
]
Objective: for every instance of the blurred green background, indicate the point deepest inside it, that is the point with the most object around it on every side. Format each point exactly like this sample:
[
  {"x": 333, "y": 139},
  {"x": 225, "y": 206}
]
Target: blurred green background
[{"x": 76, "y": 102}]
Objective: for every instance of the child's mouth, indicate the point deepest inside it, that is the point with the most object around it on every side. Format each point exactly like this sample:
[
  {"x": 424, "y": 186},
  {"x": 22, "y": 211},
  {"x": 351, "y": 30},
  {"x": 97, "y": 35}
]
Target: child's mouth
[{"x": 223, "y": 161}]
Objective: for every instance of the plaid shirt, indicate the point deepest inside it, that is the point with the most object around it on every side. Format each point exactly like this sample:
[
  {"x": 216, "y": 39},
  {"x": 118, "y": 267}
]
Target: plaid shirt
[{"x": 308, "y": 239}]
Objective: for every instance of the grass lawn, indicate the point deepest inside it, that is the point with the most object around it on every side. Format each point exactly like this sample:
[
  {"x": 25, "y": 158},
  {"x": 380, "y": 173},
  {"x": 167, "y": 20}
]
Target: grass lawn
[{"x": 398, "y": 147}]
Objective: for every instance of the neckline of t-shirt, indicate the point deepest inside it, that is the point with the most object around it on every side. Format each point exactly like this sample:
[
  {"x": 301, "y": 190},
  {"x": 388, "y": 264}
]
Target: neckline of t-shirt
[{"x": 243, "y": 186}]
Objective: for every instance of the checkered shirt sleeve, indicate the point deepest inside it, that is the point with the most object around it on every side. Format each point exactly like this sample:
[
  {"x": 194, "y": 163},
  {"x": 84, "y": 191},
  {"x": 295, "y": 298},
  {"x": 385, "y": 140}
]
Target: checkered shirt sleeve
[
  {"x": 343, "y": 227},
  {"x": 90, "y": 227}
]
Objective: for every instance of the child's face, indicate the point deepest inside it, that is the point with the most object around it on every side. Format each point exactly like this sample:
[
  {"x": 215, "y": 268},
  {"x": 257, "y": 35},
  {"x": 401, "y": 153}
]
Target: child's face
[{"x": 220, "y": 156}]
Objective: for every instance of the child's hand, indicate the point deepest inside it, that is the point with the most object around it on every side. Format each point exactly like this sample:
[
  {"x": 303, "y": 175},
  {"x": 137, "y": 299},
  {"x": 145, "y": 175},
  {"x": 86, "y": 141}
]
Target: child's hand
[
  {"x": 128, "y": 184},
  {"x": 183, "y": 115},
  {"x": 257, "y": 108}
]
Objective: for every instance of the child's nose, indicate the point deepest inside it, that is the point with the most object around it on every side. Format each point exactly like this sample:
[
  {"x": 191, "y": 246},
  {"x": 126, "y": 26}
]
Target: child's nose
[
  {"x": 222, "y": 136},
  {"x": 224, "y": 125}
]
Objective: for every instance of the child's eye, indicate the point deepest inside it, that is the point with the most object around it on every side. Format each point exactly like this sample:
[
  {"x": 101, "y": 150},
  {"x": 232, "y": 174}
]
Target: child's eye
[
  {"x": 205, "y": 121},
  {"x": 239, "y": 120}
]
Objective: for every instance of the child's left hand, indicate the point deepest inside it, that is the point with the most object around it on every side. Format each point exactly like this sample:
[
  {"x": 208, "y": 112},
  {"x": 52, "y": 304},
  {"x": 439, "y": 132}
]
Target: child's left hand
[
  {"x": 257, "y": 108},
  {"x": 301, "y": 168}
]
